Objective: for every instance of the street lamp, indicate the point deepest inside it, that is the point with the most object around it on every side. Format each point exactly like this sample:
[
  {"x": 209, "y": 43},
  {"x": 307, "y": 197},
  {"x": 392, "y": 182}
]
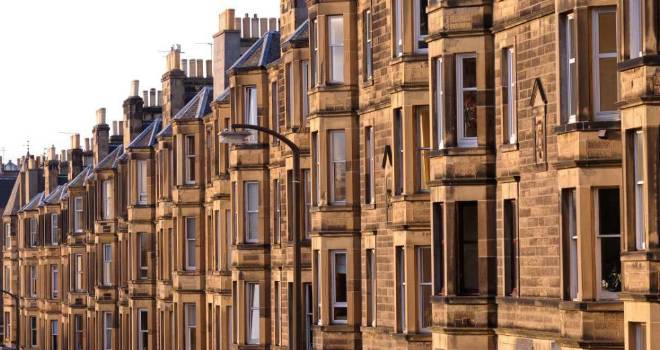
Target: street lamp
[{"x": 240, "y": 137}]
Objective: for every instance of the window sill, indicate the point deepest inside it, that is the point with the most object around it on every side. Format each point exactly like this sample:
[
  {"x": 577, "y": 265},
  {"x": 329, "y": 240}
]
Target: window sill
[
  {"x": 592, "y": 306},
  {"x": 587, "y": 126},
  {"x": 509, "y": 147},
  {"x": 409, "y": 57},
  {"x": 460, "y": 151},
  {"x": 368, "y": 83},
  {"x": 368, "y": 206},
  {"x": 646, "y": 60},
  {"x": 413, "y": 337}
]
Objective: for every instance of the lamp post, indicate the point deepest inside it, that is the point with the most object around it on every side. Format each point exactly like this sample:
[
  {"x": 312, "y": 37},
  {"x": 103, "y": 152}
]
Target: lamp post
[
  {"x": 18, "y": 321},
  {"x": 234, "y": 137}
]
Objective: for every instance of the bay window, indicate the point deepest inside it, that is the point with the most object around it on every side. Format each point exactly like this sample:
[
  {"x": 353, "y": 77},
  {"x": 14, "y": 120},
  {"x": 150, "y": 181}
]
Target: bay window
[
  {"x": 400, "y": 261},
  {"x": 570, "y": 242},
  {"x": 608, "y": 245},
  {"x": 569, "y": 80},
  {"x": 421, "y": 25},
  {"x": 191, "y": 156},
  {"x": 337, "y": 168},
  {"x": 54, "y": 281},
  {"x": 368, "y": 45},
  {"x": 509, "y": 95},
  {"x": 77, "y": 214},
  {"x": 466, "y": 99},
  {"x": 439, "y": 97},
  {"x": 422, "y": 145},
  {"x": 338, "y": 288},
  {"x": 468, "y": 257},
  {"x": 191, "y": 242},
  {"x": 142, "y": 194},
  {"x": 190, "y": 319},
  {"x": 251, "y": 198},
  {"x": 635, "y": 22},
  {"x": 107, "y": 264},
  {"x": 252, "y": 313},
  {"x": 54, "y": 228},
  {"x": 369, "y": 167},
  {"x": 424, "y": 288},
  {"x": 107, "y": 331},
  {"x": 143, "y": 329},
  {"x": 106, "y": 188},
  {"x": 250, "y": 110},
  {"x": 336, "y": 48},
  {"x": 638, "y": 178},
  {"x": 604, "y": 65}
]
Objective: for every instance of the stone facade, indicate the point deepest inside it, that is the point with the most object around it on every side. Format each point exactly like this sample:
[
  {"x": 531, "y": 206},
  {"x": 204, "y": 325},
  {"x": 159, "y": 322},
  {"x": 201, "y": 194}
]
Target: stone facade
[{"x": 474, "y": 175}]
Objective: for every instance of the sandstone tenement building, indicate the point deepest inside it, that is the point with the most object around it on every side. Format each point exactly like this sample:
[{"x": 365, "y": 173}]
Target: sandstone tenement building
[{"x": 476, "y": 174}]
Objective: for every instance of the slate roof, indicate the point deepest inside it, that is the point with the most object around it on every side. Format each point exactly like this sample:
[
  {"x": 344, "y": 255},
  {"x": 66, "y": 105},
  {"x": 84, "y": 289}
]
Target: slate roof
[
  {"x": 166, "y": 132},
  {"x": 147, "y": 137},
  {"x": 79, "y": 180},
  {"x": 34, "y": 203},
  {"x": 6, "y": 186},
  {"x": 11, "y": 166},
  {"x": 301, "y": 34},
  {"x": 224, "y": 96},
  {"x": 110, "y": 161},
  {"x": 56, "y": 195},
  {"x": 11, "y": 208},
  {"x": 261, "y": 53},
  {"x": 198, "y": 106}
]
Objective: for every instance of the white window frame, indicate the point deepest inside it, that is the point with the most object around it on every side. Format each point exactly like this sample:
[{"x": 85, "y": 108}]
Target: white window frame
[
  {"x": 635, "y": 29},
  {"x": 107, "y": 264},
  {"x": 190, "y": 319},
  {"x": 510, "y": 113},
  {"x": 638, "y": 178},
  {"x": 32, "y": 270},
  {"x": 8, "y": 235},
  {"x": 573, "y": 249},
  {"x": 336, "y": 67},
  {"x": 304, "y": 82},
  {"x": 570, "y": 64},
  {"x": 78, "y": 272},
  {"x": 439, "y": 111},
  {"x": 314, "y": 48},
  {"x": 107, "y": 330},
  {"x": 422, "y": 285},
  {"x": 141, "y": 173},
  {"x": 250, "y": 110},
  {"x": 191, "y": 242},
  {"x": 142, "y": 330},
  {"x": 54, "y": 226},
  {"x": 54, "y": 281},
  {"x": 107, "y": 200},
  {"x": 290, "y": 95},
  {"x": 400, "y": 278},
  {"x": 190, "y": 161},
  {"x": 463, "y": 141},
  {"x": 337, "y": 159},
  {"x": 54, "y": 333},
  {"x": 602, "y": 292},
  {"x": 251, "y": 211},
  {"x": 638, "y": 336},
  {"x": 370, "y": 167},
  {"x": 368, "y": 45},
  {"x": 33, "y": 231},
  {"x": 417, "y": 12},
  {"x": 78, "y": 214},
  {"x": 595, "y": 68},
  {"x": 333, "y": 288},
  {"x": 253, "y": 309},
  {"x": 398, "y": 28}
]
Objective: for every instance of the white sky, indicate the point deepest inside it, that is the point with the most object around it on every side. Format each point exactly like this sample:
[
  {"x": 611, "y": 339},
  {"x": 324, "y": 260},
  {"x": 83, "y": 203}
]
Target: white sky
[{"x": 64, "y": 59}]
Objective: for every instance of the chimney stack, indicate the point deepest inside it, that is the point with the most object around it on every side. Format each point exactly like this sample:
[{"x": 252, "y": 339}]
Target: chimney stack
[
  {"x": 152, "y": 97},
  {"x": 246, "y": 26},
  {"x": 52, "y": 153},
  {"x": 75, "y": 141},
  {"x": 174, "y": 58},
  {"x": 51, "y": 171},
  {"x": 135, "y": 88},
  {"x": 100, "y": 116}
]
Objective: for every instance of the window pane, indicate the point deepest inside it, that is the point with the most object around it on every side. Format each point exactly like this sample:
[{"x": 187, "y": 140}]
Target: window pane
[
  {"x": 608, "y": 83},
  {"x": 607, "y": 31},
  {"x": 470, "y": 113},
  {"x": 469, "y": 272},
  {"x": 469, "y": 72},
  {"x": 340, "y": 277}
]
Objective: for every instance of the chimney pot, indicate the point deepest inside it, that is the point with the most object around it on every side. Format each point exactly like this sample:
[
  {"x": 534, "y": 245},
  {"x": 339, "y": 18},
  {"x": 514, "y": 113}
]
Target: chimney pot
[
  {"x": 192, "y": 72},
  {"x": 152, "y": 97},
  {"x": 52, "y": 153},
  {"x": 237, "y": 25},
  {"x": 246, "y": 26},
  {"x": 200, "y": 68},
  {"x": 120, "y": 127},
  {"x": 227, "y": 20},
  {"x": 254, "y": 26},
  {"x": 87, "y": 144},
  {"x": 114, "y": 127},
  {"x": 160, "y": 98},
  {"x": 184, "y": 64},
  {"x": 272, "y": 24},
  {"x": 75, "y": 141},
  {"x": 63, "y": 155},
  {"x": 100, "y": 116},
  {"x": 145, "y": 97},
  {"x": 263, "y": 26},
  {"x": 135, "y": 88}
]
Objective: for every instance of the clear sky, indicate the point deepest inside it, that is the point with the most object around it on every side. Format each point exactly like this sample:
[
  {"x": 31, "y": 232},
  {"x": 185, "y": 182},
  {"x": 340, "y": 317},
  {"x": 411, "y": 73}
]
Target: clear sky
[{"x": 64, "y": 59}]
